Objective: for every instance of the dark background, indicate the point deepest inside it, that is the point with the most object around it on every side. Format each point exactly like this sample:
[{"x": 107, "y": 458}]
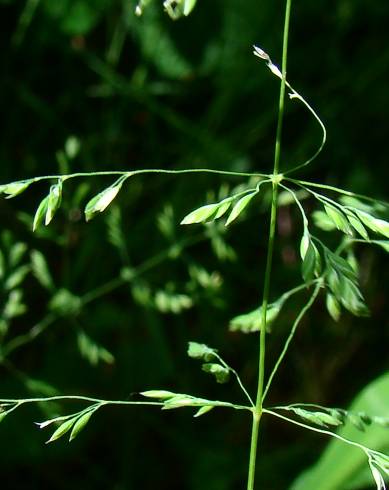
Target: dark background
[{"x": 153, "y": 93}]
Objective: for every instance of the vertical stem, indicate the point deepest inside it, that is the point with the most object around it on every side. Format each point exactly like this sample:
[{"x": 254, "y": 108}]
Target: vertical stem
[
  {"x": 257, "y": 411},
  {"x": 253, "y": 450}
]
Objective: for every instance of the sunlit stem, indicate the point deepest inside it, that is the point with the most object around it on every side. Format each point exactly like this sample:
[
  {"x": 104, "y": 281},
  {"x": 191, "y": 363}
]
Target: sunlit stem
[{"x": 257, "y": 411}]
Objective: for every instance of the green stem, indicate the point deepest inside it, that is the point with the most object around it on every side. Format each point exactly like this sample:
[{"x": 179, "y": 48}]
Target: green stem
[
  {"x": 315, "y": 429},
  {"x": 75, "y": 398},
  {"x": 253, "y": 449},
  {"x": 257, "y": 411},
  {"x": 291, "y": 335},
  {"x": 128, "y": 173},
  {"x": 304, "y": 184}
]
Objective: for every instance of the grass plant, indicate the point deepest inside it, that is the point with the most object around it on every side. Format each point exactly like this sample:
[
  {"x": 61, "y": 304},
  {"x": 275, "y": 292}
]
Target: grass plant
[{"x": 332, "y": 273}]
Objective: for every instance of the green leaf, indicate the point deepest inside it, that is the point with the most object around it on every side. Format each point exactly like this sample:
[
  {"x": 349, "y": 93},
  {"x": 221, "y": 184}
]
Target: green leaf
[
  {"x": 333, "y": 306},
  {"x": 239, "y": 207},
  {"x": 383, "y": 421},
  {"x": 188, "y": 6},
  {"x": 379, "y": 481},
  {"x": 318, "y": 418},
  {"x": 157, "y": 44},
  {"x": 168, "y": 302},
  {"x": 62, "y": 429},
  {"x": 39, "y": 387},
  {"x": 16, "y": 253},
  {"x": 65, "y": 303},
  {"x": 286, "y": 198},
  {"x": 351, "y": 298},
  {"x": 201, "y": 351},
  {"x": 252, "y": 321},
  {"x": 304, "y": 244},
  {"x": 101, "y": 201},
  {"x": 17, "y": 277},
  {"x": 203, "y": 411},
  {"x": 40, "y": 269},
  {"x": 333, "y": 280},
  {"x": 159, "y": 394},
  {"x": 382, "y": 461},
  {"x": 53, "y": 202},
  {"x": 40, "y": 213},
  {"x": 352, "y": 260},
  {"x": 140, "y": 6},
  {"x": 80, "y": 17},
  {"x": 72, "y": 147},
  {"x": 309, "y": 262},
  {"x": 14, "y": 305},
  {"x": 221, "y": 373},
  {"x": 356, "y": 421},
  {"x": 340, "y": 265},
  {"x": 176, "y": 8},
  {"x": 3, "y": 415},
  {"x": 180, "y": 401},
  {"x": 341, "y": 466},
  {"x": 375, "y": 224},
  {"x": 357, "y": 225},
  {"x": 323, "y": 221},
  {"x": 92, "y": 351},
  {"x": 201, "y": 215},
  {"x": 224, "y": 207},
  {"x": 81, "y": 423},
  {"x": 353, "y": 202},
  {"x": 14, "y": 188},
  {"x": 338, "y": 218}
]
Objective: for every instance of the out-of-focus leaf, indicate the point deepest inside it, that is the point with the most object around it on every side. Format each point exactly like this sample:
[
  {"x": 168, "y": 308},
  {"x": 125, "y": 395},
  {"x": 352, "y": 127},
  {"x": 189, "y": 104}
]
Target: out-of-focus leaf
[
  {"x": 323, "y": 419},
  {"x": 167, "y": 302},
  {"x": 16, "y": 253},
  {"x": 92, "y": 351},
  {"x": 81, "y": 16},
  {"x": 323, "y": 221},
  {"x": 201, "y": 351},
  {"x": 341, "y": 464},
  {"x": 252, "y": 321},
  {"x": 17, "y": 277},
  {"x": 40, "y": 269},
  {"x": 72, "y": 147},
  {"x": 333, "y": 306},
  {"x": 14, "y": 305},
  {"x": 221, "y": 373},
  {"x": 65, "y": 303}
]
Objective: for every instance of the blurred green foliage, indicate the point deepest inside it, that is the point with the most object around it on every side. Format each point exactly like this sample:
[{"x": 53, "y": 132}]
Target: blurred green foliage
[{"x": 107, "y": 308}]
